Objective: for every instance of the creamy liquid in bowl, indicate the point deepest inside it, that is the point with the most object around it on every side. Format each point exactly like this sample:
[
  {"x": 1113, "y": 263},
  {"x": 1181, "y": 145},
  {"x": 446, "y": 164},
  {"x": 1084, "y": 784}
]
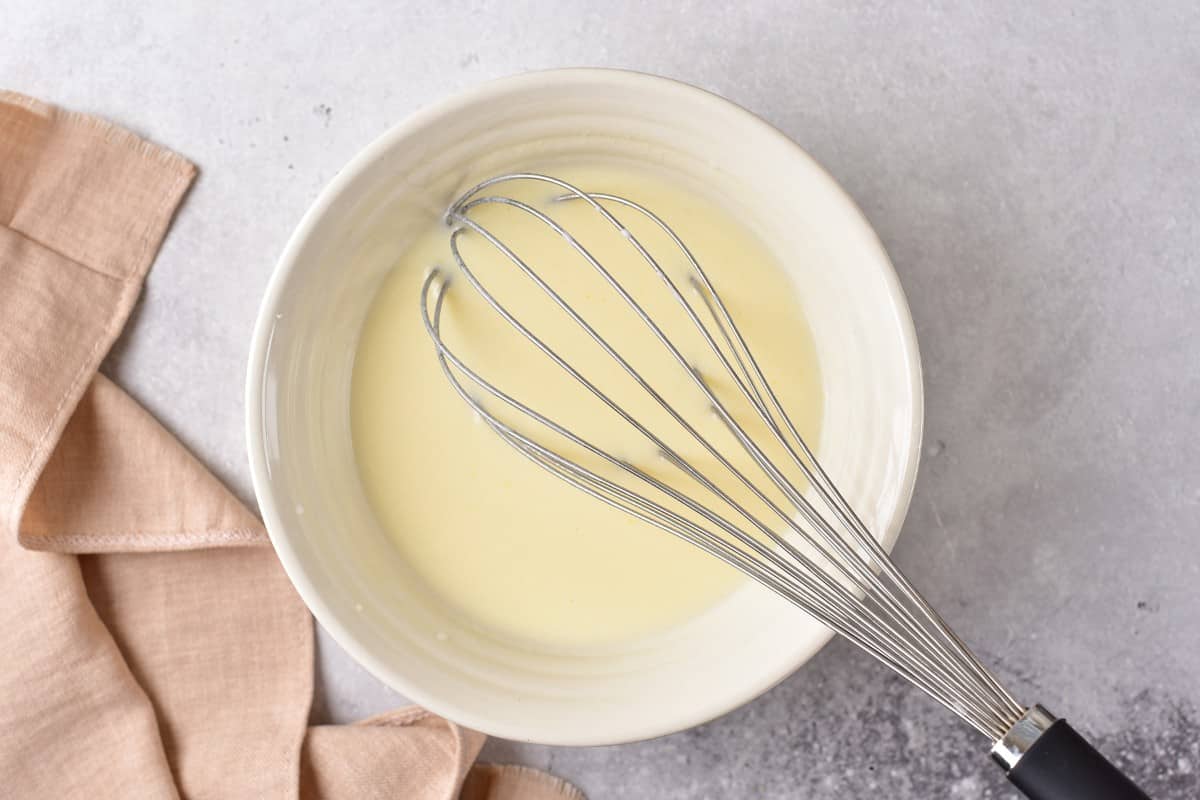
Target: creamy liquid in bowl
[{"x": 511, "y": 548}]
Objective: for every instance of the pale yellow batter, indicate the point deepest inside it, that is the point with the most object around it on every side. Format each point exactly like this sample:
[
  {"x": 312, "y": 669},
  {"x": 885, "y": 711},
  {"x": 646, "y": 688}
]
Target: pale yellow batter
[{"x": 509, "y": 546}]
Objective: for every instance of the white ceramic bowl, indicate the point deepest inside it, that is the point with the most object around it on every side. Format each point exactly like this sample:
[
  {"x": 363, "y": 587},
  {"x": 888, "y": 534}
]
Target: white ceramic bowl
[{"x": 297, "y": 399}]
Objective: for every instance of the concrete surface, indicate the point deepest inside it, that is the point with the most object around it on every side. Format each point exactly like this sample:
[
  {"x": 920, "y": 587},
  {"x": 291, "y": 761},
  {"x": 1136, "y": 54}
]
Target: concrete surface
[{"x": 1034, "y": 175}]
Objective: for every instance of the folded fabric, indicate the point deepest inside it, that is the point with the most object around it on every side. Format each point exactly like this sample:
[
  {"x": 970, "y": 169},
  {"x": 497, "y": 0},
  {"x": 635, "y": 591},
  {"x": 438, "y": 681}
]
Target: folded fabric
[{"x": 152, "y": 646}]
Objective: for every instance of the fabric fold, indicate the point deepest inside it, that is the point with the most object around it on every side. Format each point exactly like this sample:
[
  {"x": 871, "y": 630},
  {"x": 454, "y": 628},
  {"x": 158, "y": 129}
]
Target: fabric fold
[
  {"x": 174, "y": 659},
  {"x": 341, "y": 762},
  {"x": 112, "y": 447}
]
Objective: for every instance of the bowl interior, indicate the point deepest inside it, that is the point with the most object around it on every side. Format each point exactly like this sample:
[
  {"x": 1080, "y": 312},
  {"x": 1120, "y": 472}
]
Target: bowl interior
[{"x": 346, "y": 568}]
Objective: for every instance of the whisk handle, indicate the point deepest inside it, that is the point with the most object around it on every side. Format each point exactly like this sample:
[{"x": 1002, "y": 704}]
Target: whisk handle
[{"x": 1048, "y": 760}]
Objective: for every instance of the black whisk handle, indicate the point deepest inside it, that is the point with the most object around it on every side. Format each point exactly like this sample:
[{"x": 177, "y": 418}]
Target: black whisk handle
[{"x": 1056, "y": 763}]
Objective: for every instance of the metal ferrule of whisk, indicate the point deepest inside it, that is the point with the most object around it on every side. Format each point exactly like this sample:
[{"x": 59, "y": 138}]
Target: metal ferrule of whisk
[{"x": 840, "y": 575}]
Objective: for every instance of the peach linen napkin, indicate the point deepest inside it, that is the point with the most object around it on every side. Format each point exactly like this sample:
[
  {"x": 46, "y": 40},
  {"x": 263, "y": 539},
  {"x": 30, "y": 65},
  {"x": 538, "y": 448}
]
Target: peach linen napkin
[{"x": 152, "y": 645}]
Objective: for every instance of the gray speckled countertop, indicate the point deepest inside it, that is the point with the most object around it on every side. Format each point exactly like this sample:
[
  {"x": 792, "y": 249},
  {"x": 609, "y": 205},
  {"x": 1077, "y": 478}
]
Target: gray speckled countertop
[{"x": 1035, "y": 176}]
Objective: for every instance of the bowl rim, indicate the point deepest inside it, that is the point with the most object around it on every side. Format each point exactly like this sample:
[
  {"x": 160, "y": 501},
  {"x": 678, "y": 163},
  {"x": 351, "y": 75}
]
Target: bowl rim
[{"x": 706, "y": 709}]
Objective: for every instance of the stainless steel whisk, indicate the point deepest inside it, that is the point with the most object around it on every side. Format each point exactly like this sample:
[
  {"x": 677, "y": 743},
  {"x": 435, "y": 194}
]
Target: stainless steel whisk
[{"x": 841, "y": 575}]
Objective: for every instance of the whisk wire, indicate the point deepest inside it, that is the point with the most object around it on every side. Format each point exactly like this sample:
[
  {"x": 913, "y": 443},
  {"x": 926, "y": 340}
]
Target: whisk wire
[{"x": 879, "y": 611}]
